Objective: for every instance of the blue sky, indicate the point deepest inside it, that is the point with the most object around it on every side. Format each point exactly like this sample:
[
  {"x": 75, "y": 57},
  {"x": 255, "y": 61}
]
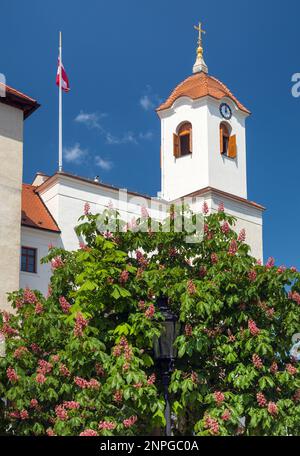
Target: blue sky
[{"x": 123, "y": 57}]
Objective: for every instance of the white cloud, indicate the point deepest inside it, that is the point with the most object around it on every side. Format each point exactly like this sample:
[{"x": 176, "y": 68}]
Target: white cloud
[
  {"x": 148, "y": 135},
  {"x": 149, "y": 100},
  {"x": 128, "y": 137},
  {"x": 90, "y": 119},
  {"x": 74, "y": 154},
  {"x": 106, "y": 165},
  {"x": 146, "y": 102}
]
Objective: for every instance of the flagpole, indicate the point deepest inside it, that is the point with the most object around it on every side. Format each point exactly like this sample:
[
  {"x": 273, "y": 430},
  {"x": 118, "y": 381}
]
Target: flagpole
[{"x": 60, "y": 109}]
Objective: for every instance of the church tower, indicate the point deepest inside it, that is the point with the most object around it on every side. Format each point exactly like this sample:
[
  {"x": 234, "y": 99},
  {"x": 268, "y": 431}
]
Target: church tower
[
  {"x": 203, "y": 145},
  {"x": 202, "y": 136}
]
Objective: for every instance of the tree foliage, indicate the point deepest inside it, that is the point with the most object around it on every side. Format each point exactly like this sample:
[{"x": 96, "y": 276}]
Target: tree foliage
[{"x": 80, "y": 361}]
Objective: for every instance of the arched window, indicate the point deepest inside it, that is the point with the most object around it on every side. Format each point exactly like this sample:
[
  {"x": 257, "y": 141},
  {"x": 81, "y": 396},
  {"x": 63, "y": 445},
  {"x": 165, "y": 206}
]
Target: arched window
[
  {"x": 182, "y": 140},
  {"x": 227, "y": 142}
]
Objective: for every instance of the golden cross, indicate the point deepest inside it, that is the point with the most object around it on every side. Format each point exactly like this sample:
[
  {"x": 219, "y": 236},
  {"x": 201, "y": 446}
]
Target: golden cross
[{"x": 200, "y": 30}]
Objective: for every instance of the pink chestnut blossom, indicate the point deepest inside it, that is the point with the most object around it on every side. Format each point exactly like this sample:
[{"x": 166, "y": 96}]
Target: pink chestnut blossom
[
  {"x": 57, "y": 263},
  {"x": 19, "y": 352},
  {"x": 71, "y": 405},
  {"x": 272, "y": 408},
  {"x": 291, "y": 369},
  {"x": 257, "y": 362},
  {"x": 194, "y": 377},
  {"x": 233, "y": 247},
  {"x": 29, "y": 296},
  {"x": 99, "y": 370},
  {"x": 212, "y": 425},
  {"x": 144, "y": 212},
  {"x": 39, "y": 309},
  {"x": 7, "y": 330},
  {"x": 129, "y": 422},
  {"x": 44, "y": 367},
  {"x": 254, "y": 330},
  {"x": 226, "y": 415},
  {"x": 242, "y": 235},
  {"x": 294, "y": 296},
  {"x": 61, "y": 413},
  {"x": 40, "y": 378},
  {"x": 81, "y": 382},
  {"x": 83, "y": 246},
  {"x": 33, "y": 403},
  {"x": 252, "y": 275},
  {"x": 80, "y": 324},
  {"x": 205, "y": 209},
  {"x": 124, "y": 276},
  {"x": 12, "y": 375},
  {"x": 64, "y": 371},
  {"x": 86, "y": 208},
  {"x": 225, "y": 228},
  {"x": 274, "y": 368},
  {"x": 88, "y": 433},
  {"x": 55, "y": 358},
  {"x": 221, "y": 207},
  {"x": 118, "y": 396},
  {"x": 202, "y": 271},
  {"x": 261, "y": 400},
  {"x": 24, "y": 414},
  {"x": 270, "y": 263},
  {"x": 14, "y": 414},
  {"x": 149, "y": 313},
  {"x": 188, "y": 330},
  {"x": 191, "y": 287},
  {"x": 219, "y": 397},
  {"x": 214, "y": 258},
  {"x": 109, "y": 425},
  {"x": 151, "y": 380}
]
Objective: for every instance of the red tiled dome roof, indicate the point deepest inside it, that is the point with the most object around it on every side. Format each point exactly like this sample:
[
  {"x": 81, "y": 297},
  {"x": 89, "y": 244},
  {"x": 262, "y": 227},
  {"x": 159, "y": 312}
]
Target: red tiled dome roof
[{"x": 201, "y": 85}]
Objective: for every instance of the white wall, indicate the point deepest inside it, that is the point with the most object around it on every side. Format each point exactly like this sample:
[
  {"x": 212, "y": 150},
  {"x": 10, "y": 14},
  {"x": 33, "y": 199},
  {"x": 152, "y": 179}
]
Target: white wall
[
  {"x": 184, "y": 175},
  {"x": 65, "y": 198},
  {"x": 227, "y": 174},
  {"x": 40, "y": 240},
  {"x": 11, "y": 159},
  {"x": 248, "y": 217}
]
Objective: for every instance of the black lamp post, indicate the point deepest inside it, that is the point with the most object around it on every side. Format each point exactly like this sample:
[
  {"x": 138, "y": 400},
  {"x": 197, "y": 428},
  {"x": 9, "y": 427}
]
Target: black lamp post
[{"x": 165, "y": 352}]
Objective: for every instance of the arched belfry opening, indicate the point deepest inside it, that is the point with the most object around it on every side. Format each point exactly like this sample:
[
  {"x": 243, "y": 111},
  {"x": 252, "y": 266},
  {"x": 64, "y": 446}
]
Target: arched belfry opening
[
  {"x": 227, "y": 141},
  {"x": 183, "y": 140}
]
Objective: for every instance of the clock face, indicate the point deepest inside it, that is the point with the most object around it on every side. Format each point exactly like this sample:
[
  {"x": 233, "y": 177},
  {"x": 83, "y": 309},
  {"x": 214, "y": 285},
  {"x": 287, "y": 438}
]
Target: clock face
[{"x": 225, "y": 111}]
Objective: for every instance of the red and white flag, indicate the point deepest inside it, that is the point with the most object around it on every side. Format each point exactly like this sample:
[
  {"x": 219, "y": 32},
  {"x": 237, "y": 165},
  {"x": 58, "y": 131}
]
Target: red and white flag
[{"x": 64, "y": 78}]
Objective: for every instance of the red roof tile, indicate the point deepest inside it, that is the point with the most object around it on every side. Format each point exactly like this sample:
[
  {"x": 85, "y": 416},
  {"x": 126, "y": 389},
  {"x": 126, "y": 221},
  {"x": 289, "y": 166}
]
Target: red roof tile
[
  {"x": 34, "y": 212},
  {"x": 200, "y": 85}
]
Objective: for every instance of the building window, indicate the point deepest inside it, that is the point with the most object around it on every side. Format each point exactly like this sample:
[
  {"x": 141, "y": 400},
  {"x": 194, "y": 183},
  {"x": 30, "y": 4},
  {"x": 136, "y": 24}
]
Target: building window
[
  {"x": 227, "y": 141},
  {"x": 182, "y": 140},
  {"x": 28, "y": 259}
]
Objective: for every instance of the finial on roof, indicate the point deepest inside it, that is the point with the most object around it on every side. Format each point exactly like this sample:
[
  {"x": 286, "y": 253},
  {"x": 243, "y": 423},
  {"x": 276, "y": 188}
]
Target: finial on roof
[{"x": 200, "y": 65}]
